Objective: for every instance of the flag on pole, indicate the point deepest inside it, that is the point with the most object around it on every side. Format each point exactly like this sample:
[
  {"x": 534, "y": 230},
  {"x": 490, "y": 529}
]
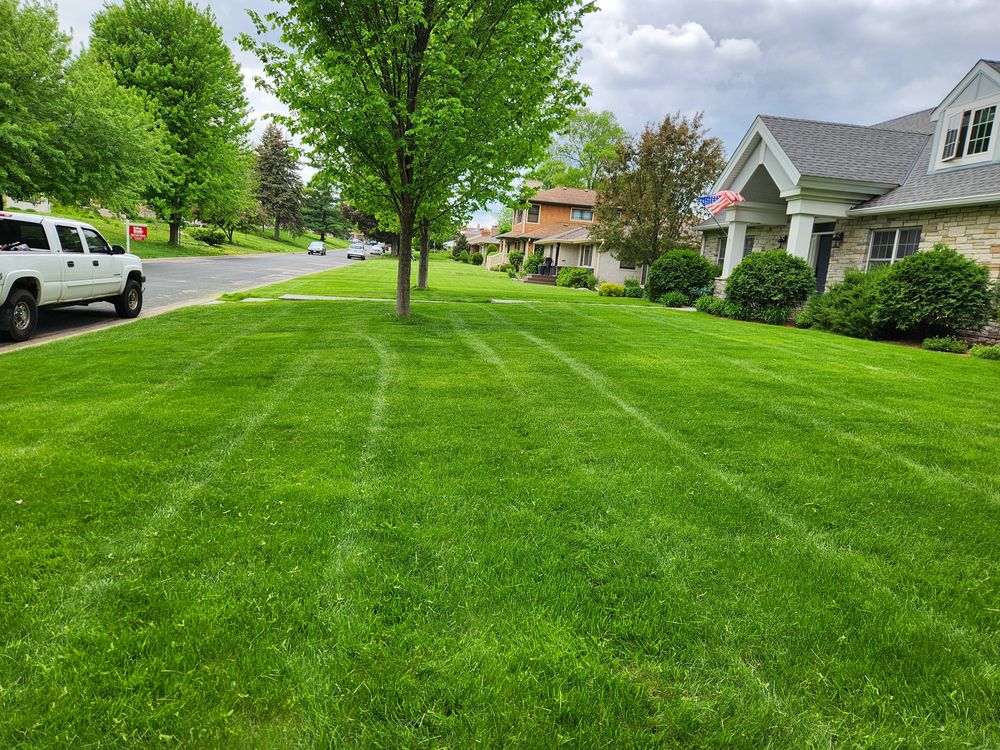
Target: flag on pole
[{"x": 719, "y": 202}]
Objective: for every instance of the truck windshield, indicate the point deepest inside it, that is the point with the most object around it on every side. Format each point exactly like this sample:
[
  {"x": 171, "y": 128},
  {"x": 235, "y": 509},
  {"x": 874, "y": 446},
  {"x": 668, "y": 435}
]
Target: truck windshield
[{"x": 31, "y": 234}]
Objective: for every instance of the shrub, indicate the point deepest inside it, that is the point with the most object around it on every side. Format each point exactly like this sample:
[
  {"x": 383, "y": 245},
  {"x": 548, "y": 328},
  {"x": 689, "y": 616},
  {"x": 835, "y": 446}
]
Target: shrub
[
  {"x": 634, "y": 292},
  {"x": 775, "y": 316},
  {"x": 946, "y": 344},
  {"x": 209, "y": 235},
  {"x": 679, "y": 271},
  {"x": 505, "y": 268},
  {"x": 533, "y": 262},
  {"x": 706, "y": 303},
  {"x": 674, "y": 299},
  {"x": 847, "y": 307},
  {"x": 609, "y": 289},
  {"x": 464, "y": 256},
  {"x": 631, "y": 283},
  {"x": 984, "y": 351},
  {"x": 476, "y": 259},
  {"x": 770, "y": 279},
  {"x": 934, "y": 292},
  {"x": 576, "y": 278},
  {"x": 516, "y": 258},
  {"x": 736, "y": 311}
]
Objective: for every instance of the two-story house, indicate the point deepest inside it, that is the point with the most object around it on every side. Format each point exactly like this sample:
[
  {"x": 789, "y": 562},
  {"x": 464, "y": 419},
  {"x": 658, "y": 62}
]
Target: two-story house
[
  {"x": 558, "y": 222},
  {"x": 845, "y": 196}
]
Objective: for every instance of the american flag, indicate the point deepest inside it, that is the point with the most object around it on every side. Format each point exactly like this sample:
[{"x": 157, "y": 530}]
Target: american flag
[{"x": 719, "y": 202}]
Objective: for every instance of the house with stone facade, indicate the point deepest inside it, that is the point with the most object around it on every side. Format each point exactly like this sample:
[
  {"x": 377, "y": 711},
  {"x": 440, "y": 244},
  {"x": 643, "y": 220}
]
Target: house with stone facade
[
  {"x": 844, "y": 196},
  {"x": 557, "y": 222}
]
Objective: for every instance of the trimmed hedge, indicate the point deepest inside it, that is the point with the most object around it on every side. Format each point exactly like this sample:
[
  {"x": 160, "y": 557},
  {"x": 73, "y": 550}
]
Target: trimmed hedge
[
  {"x": 610, "y": 289},
  {"x": 674, "y": 299},
  {"x": 946, "y": 344},
  {"x": 577, "y": 278},
  {"x": 209, "y": 235},
  {"x": 934, "y": 292},
  {"x": 681, "y": 271},
  {"x": 772, "y": 279},
  {"x": 476, "y": 259}
]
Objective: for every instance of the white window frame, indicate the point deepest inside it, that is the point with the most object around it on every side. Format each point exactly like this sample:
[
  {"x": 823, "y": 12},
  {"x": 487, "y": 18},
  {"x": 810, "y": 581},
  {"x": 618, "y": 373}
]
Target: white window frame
[
  {"x": 895, "y": 245},
  {"x": 958, "y": 111},
  {"x": 581, "y": 209},
  {"x": 589, "y": 250},
  {"x": 720, "y": 251}
]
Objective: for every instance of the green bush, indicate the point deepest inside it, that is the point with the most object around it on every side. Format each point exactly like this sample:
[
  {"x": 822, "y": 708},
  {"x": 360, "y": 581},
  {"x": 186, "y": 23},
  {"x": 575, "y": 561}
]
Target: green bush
[
  {"x": 934, "y": 292},
  {"x": 679, "y": 271},
  {"x": 707, "y": 303},
  {"x": 674, "y": 299},
  {"x": 576, "y": 278},
  {"x": 633, "y": 292},
  {"x": 533, "y": 262},
  {"x": 770, "y": 279},
  {"x": 464, "y": 257},
  {"x": 631, "y": 282},
  {"x": 775, "y": 316},
  {"x": 945, "y": 344},
  {"x": 985, "y": 351},
  {"x": 737, "y": 311},
  {"x": 209, "y": 235},
  {"x": 505, "y": 268},
  {"x": 516, "y": 258},
  {"x": 847, "y": 307},
  {"x": 609, "y": 289},
  {"x": 476, "y": 259}
]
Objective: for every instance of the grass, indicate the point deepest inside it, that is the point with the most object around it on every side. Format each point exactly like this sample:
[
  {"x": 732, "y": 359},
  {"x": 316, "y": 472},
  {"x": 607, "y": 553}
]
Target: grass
[
  {"x": 158, "y": 245},
  {"x": 307, "y": 524},
  {"x": 448, "y": 280}
]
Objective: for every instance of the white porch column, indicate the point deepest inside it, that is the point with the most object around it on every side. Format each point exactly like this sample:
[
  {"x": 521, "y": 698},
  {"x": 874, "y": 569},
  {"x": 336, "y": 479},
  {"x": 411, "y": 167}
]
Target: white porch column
[
  {"x": 736, "y": 237},
  {"x": 800, "y": 232}
]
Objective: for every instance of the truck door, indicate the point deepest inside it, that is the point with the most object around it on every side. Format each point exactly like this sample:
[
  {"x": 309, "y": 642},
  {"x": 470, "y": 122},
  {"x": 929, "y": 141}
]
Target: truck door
[
  {"x": 107, "y": 267},
  {"x": 77, "y": 272}
]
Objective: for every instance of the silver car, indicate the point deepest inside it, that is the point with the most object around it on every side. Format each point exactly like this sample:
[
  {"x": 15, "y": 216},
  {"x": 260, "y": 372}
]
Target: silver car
[
  {"x": 317, "y": 248},
  {"x": 356, "y": 250}
]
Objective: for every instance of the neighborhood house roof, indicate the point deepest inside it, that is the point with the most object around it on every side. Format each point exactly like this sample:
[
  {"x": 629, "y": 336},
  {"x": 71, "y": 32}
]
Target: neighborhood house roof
[
  {"x": 577, "y": 234},
  {"x": 538, "y": 232},
  {"x": 566, "y": 197}
]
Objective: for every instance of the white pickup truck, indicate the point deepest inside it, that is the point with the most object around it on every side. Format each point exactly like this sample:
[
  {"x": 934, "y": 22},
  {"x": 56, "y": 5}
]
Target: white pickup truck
[{"x": 51, "y": 262}]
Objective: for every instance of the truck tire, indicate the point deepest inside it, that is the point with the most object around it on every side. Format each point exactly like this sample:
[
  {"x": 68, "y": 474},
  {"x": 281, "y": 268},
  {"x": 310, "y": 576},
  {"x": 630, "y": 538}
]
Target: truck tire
[
  {"x": 19, "y": 315},
  {"x": 128, "y": 304}
]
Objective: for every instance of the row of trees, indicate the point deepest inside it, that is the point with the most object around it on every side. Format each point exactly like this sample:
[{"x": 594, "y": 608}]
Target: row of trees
[{"x": 155, "y": 112}]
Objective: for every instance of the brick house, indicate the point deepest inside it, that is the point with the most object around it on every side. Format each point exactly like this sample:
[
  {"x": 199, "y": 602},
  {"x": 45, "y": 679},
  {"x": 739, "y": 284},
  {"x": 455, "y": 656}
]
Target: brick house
[
  {"x": 844, "y": 196},
  {"x": 558, "y": 222}
]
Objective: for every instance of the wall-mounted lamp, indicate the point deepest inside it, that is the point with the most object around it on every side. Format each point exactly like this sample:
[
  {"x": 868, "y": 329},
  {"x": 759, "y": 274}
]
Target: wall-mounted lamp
[
  {"x": 838, "y": 240},
  {"x": 782, "y": 241}
]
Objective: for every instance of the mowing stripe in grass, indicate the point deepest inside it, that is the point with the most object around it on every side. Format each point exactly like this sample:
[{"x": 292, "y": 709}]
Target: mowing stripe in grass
[
  {"x": 858, "y": 564},
  {"x": 72, "y": 611}
]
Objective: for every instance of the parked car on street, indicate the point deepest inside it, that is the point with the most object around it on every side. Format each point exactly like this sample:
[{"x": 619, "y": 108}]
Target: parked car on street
[
  {"x": 356, "y": 250},
  {"x": 317, "y": 248},
  {"x": 51, "y": 262}
]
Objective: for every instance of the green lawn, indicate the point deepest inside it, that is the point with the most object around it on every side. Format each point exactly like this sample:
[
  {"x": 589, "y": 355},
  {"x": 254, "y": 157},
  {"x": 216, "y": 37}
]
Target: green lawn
[
  {"x": 448, "y": 280},
  {"x": 306, "y": 524},
  {"x": 158, "y": 246}
]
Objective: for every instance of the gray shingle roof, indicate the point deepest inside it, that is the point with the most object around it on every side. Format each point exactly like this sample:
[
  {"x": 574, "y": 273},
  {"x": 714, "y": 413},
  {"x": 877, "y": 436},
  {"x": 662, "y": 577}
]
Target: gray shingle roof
[
  {"x": 918, "y": 122},
  {"x": 846, "y": 152},
  {"x": 993, "y": 64},
  {"x": 920, "y": 186}
]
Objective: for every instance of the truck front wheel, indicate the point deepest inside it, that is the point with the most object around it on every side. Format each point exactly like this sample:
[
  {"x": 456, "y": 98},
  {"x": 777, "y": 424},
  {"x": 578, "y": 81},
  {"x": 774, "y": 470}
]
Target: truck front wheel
[
  {"x": 19, "y": 315},
  {"x": 128, "y": 304}
]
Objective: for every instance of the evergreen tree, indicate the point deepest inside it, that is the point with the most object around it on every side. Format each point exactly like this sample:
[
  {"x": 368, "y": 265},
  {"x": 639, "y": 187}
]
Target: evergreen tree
[
  {"x": 321, "y": 208},
  {"x": 175, "y": 54},
  {"x": 279, "y": 187}
]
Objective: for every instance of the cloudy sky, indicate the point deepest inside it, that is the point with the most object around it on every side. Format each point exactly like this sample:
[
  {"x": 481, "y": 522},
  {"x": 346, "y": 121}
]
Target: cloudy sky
[{"x": 857, "y": 61}]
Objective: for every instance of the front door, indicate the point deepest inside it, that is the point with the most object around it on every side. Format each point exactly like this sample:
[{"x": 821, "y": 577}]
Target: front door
[{"x": 824, "y": 245}]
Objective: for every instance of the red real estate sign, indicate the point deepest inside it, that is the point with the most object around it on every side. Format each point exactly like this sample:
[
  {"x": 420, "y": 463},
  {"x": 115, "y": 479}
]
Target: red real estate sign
[{"x": 137, "y": 232}]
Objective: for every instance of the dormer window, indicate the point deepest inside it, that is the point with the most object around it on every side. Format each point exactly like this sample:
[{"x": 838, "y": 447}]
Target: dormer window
[{"x": 968, "y": 135}]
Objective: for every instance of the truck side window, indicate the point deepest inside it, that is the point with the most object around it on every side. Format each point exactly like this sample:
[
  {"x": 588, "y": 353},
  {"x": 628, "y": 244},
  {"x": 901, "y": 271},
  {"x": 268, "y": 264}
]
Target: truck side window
[
  {"x": 95, "y": 242},
  {"x": 69, "y": 238},
  {"x": 30, "y": 233}
]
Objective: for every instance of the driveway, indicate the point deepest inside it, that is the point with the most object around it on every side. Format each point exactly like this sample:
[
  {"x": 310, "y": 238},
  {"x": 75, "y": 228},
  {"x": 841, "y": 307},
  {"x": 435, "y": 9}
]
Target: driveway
[{"x": 176, "y": 282}]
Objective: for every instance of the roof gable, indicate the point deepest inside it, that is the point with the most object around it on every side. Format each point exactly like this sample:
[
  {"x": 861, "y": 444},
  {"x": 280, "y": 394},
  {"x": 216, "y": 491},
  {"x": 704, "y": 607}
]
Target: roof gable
[{"x": 983, "y": 80}]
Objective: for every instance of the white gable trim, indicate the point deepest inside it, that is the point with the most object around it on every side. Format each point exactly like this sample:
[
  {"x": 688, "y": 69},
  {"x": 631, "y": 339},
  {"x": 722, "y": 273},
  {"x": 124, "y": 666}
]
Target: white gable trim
[
  {"x": 758, "y": 147},
  {"x": 980, "y": 68}
]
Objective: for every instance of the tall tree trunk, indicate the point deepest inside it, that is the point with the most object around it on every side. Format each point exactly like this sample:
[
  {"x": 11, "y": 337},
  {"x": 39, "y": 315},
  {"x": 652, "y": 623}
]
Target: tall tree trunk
[
  {"x": 277, "y": 230},
  {"x": 403, "y": 274},
  {"x": 322, "y": 236},
  {"x": 175, "y": 230},
  {"x": 425, "y": 253}
]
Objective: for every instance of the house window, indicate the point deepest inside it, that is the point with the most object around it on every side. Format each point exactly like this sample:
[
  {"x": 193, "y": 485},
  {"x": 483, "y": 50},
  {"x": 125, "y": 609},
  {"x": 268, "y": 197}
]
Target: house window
[
  {"x": 533, "y": 213},
  {"x": 968, "y": 133},
  {"x": 582, "y": 214},
  {"x": 890, "y": 245},
  {"x": 747, "y": 246},
  {"x": 586, "y": 255},
  {"x": 720, "y": 251},
  {"x": 623, "y": 264}
]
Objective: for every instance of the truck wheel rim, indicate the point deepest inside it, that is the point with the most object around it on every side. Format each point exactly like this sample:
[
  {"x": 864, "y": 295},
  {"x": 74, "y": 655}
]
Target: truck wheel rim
[
  {"x": 22, "y": 316},
  {"x": 133, "y": 299}
]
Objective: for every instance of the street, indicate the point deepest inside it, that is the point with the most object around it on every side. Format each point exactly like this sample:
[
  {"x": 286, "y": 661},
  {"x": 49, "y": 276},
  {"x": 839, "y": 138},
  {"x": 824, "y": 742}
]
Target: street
[{"x": 174, "y": 282}]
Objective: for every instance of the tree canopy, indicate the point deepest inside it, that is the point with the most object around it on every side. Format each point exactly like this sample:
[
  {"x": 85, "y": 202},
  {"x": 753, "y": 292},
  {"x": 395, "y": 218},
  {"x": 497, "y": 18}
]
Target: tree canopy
[
  {"x": 578, "y": 153},
  {"x": 321, "y": 212},
  {"x": 647, "y": 200},
  {"x": 175, "y": 54},
  {"x": 408, "y": 99},
  {"x": 279, "y": 186}
]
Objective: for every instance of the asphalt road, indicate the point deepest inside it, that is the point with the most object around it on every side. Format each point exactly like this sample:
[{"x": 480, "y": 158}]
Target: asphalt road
[{"x": 175, "y": 282}]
